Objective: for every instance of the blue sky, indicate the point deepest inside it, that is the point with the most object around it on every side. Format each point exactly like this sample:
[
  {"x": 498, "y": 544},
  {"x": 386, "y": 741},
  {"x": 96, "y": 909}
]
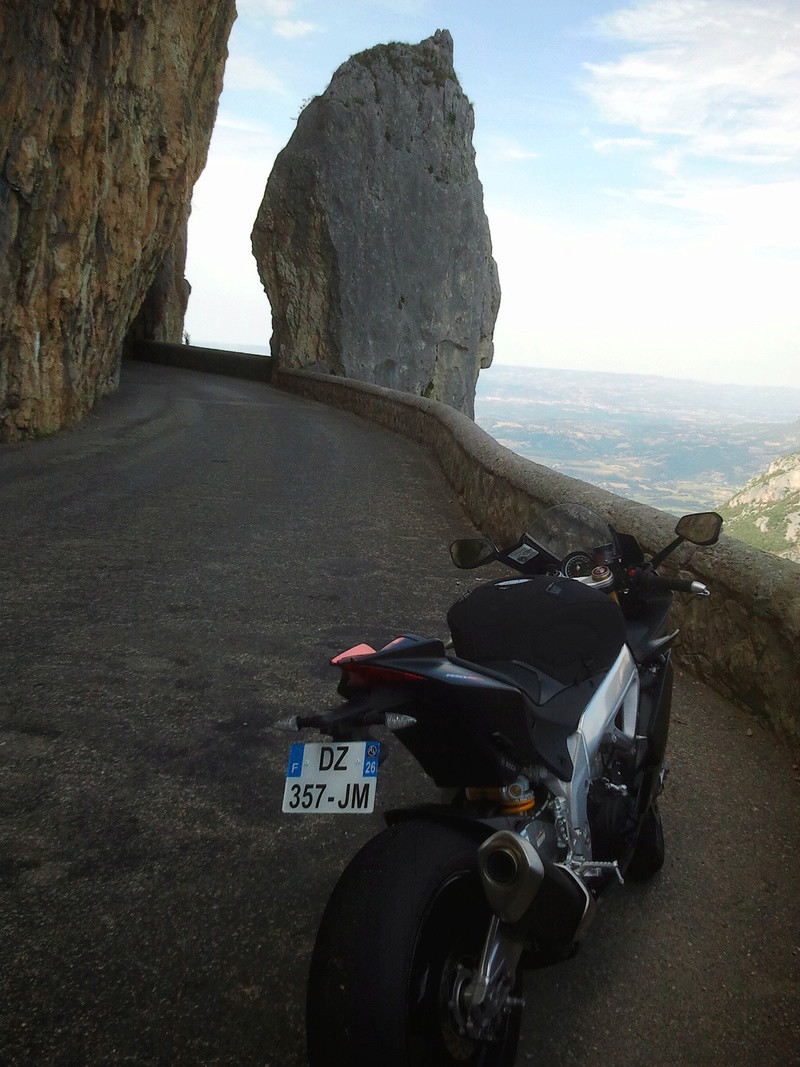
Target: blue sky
[{"x": 640, "y": 165}]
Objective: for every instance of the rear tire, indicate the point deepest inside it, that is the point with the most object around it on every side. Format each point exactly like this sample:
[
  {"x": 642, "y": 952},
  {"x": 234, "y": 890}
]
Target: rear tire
[
  {"x": 648, "y": 853},
  {"x": 406, "y": 912}
]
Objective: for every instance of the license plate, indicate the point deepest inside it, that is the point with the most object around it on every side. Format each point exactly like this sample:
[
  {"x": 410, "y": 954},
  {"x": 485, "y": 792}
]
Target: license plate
[{"x": 335, "y": 779}]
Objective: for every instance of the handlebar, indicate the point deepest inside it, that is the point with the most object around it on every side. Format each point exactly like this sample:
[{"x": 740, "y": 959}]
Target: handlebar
[{"x": 655, "y": 582}]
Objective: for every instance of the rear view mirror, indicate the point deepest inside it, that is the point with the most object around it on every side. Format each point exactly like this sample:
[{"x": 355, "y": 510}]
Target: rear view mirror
[
  {"x": 702, "y": 529},
  {"x": 472, "y": 552}
]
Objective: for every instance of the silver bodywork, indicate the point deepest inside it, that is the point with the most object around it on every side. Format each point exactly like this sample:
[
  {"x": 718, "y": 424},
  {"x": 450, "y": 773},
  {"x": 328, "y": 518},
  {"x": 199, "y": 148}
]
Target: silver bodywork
[{"x": 598, "y": 724}]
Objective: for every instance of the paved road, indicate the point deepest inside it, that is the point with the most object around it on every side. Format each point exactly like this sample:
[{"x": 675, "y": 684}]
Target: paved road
[{"x": 174, "y": 577}]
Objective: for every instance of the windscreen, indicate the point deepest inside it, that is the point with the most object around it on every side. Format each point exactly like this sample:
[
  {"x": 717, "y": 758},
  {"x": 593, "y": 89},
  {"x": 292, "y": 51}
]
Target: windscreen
[{"x": 570, "y": 528}]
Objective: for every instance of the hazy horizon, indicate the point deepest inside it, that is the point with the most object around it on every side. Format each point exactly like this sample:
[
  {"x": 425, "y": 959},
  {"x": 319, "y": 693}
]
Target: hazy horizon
[{"x": 498, "y": 363}]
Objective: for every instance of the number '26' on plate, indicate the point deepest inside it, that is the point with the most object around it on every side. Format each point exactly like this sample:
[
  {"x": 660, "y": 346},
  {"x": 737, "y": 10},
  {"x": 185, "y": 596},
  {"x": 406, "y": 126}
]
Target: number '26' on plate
[{"x": 337, "y": 778}]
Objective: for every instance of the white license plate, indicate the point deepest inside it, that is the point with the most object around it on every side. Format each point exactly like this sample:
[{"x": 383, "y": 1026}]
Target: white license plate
[{"x": 338, "y": 778}]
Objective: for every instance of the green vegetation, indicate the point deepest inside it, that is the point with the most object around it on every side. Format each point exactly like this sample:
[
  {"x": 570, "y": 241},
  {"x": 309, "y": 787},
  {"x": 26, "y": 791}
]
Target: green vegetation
[
  {"x": 765, "y": 513},
  {"x": 764, "y": 528}
]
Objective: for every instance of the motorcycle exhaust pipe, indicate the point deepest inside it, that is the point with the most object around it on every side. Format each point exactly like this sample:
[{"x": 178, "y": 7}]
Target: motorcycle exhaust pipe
[
  {"x": 545, "y": 901},
  {"x": 512, "y": 873}
]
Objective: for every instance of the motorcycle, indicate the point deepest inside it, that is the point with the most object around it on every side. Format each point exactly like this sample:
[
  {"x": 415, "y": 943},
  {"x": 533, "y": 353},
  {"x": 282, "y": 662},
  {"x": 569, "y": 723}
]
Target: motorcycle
[{"x": 545, "y": 726}]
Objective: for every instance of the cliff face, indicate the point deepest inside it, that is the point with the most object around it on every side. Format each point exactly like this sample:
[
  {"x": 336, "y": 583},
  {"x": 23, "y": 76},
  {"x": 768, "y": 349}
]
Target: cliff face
[
  {"x": 106, "y": 112},
  {"x": 766, "y": 512},
  {"x": 371, "y": 241}
]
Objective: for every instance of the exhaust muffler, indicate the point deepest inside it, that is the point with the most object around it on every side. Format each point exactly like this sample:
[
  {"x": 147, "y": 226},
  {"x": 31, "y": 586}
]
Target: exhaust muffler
[{"x": 548, "y": 903}]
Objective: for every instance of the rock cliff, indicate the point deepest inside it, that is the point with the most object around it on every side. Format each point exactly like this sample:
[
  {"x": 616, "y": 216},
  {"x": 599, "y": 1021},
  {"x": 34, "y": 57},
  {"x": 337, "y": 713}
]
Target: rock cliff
[
  {"x": 106, "y": 111},
  {"x": 766, "y": 512},
  {"x": 371, "y": 241}
]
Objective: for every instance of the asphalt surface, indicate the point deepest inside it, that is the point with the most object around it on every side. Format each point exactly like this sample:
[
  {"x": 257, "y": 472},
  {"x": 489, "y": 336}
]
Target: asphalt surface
[{"x": 175, "y": 575}]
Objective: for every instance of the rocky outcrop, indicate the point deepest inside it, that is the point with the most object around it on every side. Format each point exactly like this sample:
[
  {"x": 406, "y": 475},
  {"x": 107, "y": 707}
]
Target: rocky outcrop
[
  {"x": 372, "y": 242},
  {"x": 766, "y": 512},
  {"x": 106, "y": 111}
]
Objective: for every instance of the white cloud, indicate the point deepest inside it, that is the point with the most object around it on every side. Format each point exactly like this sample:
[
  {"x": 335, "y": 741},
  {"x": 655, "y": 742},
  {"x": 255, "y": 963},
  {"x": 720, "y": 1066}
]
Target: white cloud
[
  {"x": 238, "y": 139},
  {"x": 293, "y": 28},
  {"x": 260, "y": 9},
  {"x": 619, "y": 296},
  {"x": 721, "y": 76},
  {"x": 620, "y": 144},
  {"x": 281, "y": 13},
  {"x": 708, "y": 93},
  {"x": 497, "y": 148},
  {"x": 755, "y": 216},
  {"x": 228, "y": 305},
  {"x": 246, "y": 72},
  {"x": 226, "y": 121}
]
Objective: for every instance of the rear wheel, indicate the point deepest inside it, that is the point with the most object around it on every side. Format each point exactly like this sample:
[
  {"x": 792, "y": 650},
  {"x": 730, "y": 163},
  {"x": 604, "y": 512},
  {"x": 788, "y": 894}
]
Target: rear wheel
[{"x": 405, "y": 924}]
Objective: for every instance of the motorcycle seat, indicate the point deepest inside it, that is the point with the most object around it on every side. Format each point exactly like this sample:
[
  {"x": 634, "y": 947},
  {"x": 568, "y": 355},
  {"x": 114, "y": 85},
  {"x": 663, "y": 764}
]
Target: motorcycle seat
[{"x": 537, "y": 686}]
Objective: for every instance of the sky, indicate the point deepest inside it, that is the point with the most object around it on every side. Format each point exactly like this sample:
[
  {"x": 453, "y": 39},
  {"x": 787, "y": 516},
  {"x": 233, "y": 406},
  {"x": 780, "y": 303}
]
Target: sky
[{"x": 640, "y": 165}]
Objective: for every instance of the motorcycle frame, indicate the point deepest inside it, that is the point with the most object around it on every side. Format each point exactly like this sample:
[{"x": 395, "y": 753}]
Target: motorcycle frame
[{"x": 598, "y": 725}]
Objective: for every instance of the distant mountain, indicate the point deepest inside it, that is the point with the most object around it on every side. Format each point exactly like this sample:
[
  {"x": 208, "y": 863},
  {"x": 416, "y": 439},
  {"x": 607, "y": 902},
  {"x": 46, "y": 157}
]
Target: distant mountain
[{"x": 766, "y": 513}]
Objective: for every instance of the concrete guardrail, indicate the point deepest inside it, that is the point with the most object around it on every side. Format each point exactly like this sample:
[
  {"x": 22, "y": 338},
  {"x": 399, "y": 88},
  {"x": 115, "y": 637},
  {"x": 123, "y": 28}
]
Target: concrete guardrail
[{"x": 210, "y": 360}]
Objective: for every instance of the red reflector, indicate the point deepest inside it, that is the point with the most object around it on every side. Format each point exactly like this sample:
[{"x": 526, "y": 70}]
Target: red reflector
[{"x": 352, "y": 653}]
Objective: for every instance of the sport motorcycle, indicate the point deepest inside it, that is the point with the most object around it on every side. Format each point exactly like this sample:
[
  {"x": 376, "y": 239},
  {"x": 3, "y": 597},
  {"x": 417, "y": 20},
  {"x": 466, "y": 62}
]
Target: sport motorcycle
[{"x": 544, "y": 723}]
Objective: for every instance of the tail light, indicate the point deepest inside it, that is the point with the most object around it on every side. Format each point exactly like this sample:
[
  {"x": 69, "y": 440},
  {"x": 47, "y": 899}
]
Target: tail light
[
  {"x": 358, "y": 672},
  {"x": 372, "y": 674}
]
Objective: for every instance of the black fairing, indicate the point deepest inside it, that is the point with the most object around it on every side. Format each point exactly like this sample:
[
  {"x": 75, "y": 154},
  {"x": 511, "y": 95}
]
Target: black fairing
[
  {"x": 646, "y": 621},
  {"x": 556, "y": 713},
  {"x": 655, "y": 709},
  {"x": 475, "y": 725},
  {"x": 556, "y": 720},
  {"x": 466, "y": 735},
  {"x": 567, "y": 630},
  {"x": 629, "y": 548}
]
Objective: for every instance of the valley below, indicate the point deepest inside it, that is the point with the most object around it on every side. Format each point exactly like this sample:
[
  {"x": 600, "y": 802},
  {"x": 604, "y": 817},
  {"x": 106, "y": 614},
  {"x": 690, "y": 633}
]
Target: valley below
[{"x": 680, "y": 446}]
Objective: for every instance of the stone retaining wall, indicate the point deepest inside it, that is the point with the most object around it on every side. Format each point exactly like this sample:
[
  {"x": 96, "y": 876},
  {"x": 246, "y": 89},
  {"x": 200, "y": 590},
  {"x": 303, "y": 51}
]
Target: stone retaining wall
[
  {"x": 743, "y": 641},
  {"x": 208, "y": 360}
]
